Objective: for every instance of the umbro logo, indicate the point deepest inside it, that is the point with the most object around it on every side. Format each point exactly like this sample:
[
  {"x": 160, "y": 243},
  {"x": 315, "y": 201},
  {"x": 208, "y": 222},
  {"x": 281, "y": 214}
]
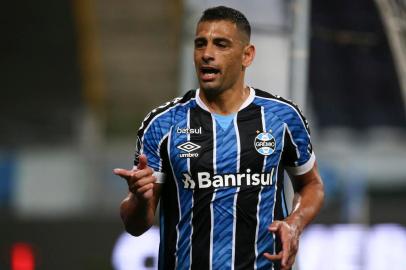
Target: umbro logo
[{"x": 188, "y": 147}]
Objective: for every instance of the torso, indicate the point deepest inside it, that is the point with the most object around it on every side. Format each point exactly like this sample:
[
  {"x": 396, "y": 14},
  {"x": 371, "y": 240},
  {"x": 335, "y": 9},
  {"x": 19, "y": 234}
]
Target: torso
[{"x": 223, "y": 185}]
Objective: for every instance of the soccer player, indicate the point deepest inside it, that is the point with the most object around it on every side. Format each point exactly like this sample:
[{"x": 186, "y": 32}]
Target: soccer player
[{"x": 215, "y": 158}]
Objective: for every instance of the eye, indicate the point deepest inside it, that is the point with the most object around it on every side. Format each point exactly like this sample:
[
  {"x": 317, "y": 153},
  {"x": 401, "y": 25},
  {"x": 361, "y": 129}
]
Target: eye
[
  {"x": 199, "y": 43},
  {"x": 222, "y": 44}
]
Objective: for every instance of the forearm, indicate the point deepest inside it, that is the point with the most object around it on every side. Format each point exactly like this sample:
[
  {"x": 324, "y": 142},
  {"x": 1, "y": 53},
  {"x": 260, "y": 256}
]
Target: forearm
[
  {"x": 137, "y": 214},
  {"x": 308, "y": 201}
]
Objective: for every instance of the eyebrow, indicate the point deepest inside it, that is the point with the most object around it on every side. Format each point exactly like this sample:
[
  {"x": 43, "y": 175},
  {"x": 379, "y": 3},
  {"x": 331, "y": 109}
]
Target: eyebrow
[
  {"x": 200, "y": 39},
  {"x": 221, "y": 39},
  {"x": 216, "y": 39}
]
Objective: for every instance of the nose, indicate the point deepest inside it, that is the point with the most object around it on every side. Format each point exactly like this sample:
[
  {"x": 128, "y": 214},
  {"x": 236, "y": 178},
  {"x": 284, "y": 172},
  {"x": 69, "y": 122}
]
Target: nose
[{"x": 208, "y": 53}]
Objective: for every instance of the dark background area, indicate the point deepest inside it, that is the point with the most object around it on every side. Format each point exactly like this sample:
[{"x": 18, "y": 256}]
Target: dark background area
[
  {"x": 352, "y": 80},
  {"x": 63, "y": 244},
  {"x": 40, "y": 77}
]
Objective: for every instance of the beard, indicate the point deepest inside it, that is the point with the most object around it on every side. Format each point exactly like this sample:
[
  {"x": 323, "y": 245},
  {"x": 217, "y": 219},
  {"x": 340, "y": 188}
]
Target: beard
[{"x": 212, "y": 93}]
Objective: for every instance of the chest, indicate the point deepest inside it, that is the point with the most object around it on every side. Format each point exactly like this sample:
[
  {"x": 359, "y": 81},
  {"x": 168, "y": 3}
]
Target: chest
[{"x": 201, "y": 144}]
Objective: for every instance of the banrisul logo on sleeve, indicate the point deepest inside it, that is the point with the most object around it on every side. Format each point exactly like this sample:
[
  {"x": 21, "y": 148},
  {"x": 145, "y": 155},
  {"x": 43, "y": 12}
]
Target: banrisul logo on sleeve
[{"x": 265, "y": 143}]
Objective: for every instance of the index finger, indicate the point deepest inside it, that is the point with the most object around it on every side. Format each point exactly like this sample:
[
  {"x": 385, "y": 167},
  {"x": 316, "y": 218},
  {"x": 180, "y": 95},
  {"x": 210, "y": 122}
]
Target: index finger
[
  {"x": 123, "y": 173},
  {"x": 285, "y": 249},
  {"x": 273, "y": 257},
  {"x": 275, "y": 226}
]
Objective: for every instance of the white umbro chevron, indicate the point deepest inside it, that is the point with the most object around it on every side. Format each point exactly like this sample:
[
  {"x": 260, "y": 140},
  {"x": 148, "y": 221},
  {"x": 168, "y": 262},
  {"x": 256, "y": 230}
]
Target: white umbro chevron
[{"x": 188, "y": 147}]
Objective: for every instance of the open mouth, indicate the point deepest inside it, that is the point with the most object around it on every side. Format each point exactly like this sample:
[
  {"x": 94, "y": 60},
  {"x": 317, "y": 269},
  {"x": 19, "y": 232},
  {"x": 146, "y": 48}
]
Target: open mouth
[
  {"x": 209, "y": 73},
  {"x": 209, "y": 70}
]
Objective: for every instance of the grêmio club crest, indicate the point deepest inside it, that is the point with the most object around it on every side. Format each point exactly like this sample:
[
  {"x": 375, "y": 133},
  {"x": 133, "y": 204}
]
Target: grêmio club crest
[{"x": 265, "y": 143}]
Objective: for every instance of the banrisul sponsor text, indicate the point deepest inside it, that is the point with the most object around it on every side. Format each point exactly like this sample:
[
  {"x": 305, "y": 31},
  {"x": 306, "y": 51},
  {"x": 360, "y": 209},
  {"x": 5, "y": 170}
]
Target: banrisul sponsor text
[{"x": 208, "y": 180}]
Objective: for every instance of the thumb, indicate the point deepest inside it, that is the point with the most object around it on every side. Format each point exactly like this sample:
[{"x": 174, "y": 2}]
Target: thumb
[
  {"x": 274, "y": 226},
  {"x": 143, "y": 162}
]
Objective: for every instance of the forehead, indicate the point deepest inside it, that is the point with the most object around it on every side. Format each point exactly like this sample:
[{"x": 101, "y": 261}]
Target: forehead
[{"x": 215, "y": 29}]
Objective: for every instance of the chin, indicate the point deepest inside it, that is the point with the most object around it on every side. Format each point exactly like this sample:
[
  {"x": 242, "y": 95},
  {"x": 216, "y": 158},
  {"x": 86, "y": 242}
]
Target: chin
[
  {"x": 209, "y": 86},
  {"x": 210, "y": 89}
]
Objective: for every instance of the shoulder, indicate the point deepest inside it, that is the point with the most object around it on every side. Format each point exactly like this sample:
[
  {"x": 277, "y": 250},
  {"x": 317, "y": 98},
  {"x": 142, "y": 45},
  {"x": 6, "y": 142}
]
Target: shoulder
[
  {"x": 284, "y": 108},
  {"x": 165, "y": 111},
  {"x": 276, "y": 100},
  {"x": 158, "y": 123}
]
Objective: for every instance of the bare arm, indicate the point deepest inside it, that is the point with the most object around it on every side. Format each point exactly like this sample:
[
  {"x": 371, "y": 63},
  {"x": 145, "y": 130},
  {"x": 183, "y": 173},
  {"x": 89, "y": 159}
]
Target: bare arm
[
  {"x": 138, "y": 209},
  {"x": 137, "y": 213},
  {"x": 309, "y": 197}
]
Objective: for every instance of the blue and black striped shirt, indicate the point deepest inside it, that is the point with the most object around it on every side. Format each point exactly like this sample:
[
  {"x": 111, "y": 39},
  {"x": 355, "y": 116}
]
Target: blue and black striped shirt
[{"x": 223, "y": 186}]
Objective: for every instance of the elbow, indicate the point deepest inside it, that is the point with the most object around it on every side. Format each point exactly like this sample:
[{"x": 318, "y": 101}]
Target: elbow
[
  {"x": 135, "y": 230},
  {"x": 321, "y": 193},
  {"x": 136, "y": 219},
  {"x": 135, "y": 227}
]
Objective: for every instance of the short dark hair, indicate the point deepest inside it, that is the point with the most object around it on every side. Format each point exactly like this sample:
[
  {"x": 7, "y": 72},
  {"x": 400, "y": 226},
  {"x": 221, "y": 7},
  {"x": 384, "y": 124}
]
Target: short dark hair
[{"x": 228, "y": 14}]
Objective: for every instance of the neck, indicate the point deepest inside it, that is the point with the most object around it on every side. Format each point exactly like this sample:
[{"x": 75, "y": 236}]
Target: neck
[{"x": 225, "y": 102}]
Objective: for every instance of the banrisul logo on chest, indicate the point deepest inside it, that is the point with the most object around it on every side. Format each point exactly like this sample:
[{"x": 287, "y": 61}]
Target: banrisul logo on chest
[{"x": 265, "y": 143}]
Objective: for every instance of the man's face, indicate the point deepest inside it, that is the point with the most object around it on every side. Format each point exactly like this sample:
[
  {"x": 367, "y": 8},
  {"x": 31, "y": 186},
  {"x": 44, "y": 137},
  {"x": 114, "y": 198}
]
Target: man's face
[{"x": 220, "y": 55}]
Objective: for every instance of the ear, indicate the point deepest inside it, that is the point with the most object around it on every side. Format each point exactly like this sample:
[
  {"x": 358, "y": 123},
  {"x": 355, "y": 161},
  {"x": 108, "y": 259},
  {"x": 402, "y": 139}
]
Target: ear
[{"x": 248, "y": 55}]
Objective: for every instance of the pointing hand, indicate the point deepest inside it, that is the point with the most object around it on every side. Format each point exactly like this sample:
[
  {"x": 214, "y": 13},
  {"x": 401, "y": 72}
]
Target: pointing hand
[{"x": 140, "y": 181}]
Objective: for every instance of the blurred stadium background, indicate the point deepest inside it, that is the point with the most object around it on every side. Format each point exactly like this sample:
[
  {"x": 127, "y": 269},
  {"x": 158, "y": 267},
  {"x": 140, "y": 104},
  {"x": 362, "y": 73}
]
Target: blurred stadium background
[{"x": 77, "y": 78}]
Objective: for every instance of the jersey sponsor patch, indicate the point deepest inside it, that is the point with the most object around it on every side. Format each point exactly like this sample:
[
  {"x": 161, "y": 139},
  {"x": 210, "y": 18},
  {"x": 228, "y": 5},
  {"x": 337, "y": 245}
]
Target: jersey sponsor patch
[
  {"x": 265, "y": 143},
  {"x": 189, "y": 130},
  {"x": 208, "y": 180}
]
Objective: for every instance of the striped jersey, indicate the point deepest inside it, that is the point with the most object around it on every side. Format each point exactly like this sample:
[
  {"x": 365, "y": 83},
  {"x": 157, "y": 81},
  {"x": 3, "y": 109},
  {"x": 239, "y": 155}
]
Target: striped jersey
[{"x": 222, "y": 186}]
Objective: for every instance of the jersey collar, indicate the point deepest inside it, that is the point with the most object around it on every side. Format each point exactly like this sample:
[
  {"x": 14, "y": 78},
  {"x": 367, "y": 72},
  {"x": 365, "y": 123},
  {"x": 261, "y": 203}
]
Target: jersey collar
[{"x": 243, "y": 106}]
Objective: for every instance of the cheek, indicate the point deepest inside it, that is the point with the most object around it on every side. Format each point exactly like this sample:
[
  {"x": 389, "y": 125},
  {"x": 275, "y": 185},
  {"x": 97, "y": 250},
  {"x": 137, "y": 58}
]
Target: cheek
[
  {"x": 195, "y": 59},
  {"x": 195, "y": 56},
  {"x": 235, "y": 65}
]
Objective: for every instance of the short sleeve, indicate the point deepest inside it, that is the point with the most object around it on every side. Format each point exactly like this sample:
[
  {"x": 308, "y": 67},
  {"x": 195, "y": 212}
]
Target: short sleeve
[
  {"x": 152, "y": 136},
  {"x": 298, "y": 156},
  {"x": 151, "y": 142}
]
